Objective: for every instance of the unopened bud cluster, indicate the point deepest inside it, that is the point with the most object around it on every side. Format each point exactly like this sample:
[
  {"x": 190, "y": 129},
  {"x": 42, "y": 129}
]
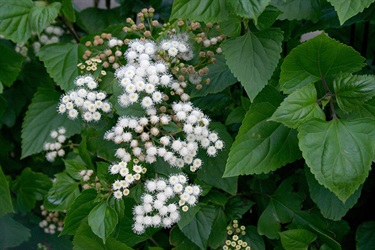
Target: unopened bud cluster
[
  {"x": 235, "y": 233},
  {"x": 53, "y": 222},
  {"x": 89, "y": 181},
  {"x": 85, "y": 100},
  {"x": 54, "y": 146},
  {"x": 50, "y": 35},
  {"x": 158, "y": 208}
]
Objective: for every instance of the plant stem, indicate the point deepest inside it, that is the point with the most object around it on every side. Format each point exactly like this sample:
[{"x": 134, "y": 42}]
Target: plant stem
[
  {"x": 328, "y": 91},
  {"x": 70, "y": 28}
]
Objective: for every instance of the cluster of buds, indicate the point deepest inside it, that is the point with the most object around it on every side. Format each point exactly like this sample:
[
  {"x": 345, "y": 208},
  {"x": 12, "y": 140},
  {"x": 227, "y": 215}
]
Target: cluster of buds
[
  {"x": 53, "y": 221},
  {"x": 144, "y": 23},
  {"x": 235, "y": 233},
  {"x": 50, "y": 35},
  {"x": 54, "y": 147},
  {"x": 157, "y": 208},
  {"x": 89, "y": 182},
  {"x": 85, "y": 100},
  {"x": 90, "y": 66}
]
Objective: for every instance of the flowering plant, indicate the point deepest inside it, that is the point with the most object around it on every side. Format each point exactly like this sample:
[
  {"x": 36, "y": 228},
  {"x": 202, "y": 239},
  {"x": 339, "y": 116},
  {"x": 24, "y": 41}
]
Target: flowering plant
[{"x": 188, "y": 125}]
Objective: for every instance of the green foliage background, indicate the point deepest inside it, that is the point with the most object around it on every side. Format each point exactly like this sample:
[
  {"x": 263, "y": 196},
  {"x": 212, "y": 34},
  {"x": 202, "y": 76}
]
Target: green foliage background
[{"x": 297, "y": 118}]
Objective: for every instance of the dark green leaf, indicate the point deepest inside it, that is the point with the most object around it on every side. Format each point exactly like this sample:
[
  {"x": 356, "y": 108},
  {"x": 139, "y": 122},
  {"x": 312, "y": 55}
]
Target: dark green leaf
[
  {"x": 330, "y": 206},
  {"x": 219, "y": 232},
  {"x": 205, "y": 11},
  {"x": 10, "y": 65},
  {"x": 365, "y": 236},
  {"x": 79, "y": 210},
  {"x": 30, "y": 187},
  {"x": 74, "y": 167},
  {"x": 41, "y": 118},
  {"x": 42, "y": 16},
  {"x": 299, "y": 107},
  {"x": 236, "y": 116},
  {"x": 179, "y": 240},
  {"x": 103, "y": 220},
  {"x": 61, "y": 62},
  {"x": 5, "y": 200},
  {"x": 298, "y": 239},
  {"x": 316, "y": 59},
  {"x": 298, "y": 9},
  {"x": 220, "y": 78},
  {"x": 12, "y": 233},
  {"x": 253, "y": 57},
  {"x": 199, "y": 229},
  {"x": 254, "y": 240},
  {"x": 62, "y": 194},
  {"x": 188, "y": 216},
  {"x": 237, "y": 206},
  {"x": 350, "y": 8},
  {"x": 232, "y": 26},
  {"x": 248, "y": 8},
  {"x": 268, "y": 17},
  {"x": 68, "y": 10},
  {"x": 338, "y": 153},
  {"x": 262, "y": 146},
  {"x": 103, "y": 19},
  {"x": 353, "y": 90}
]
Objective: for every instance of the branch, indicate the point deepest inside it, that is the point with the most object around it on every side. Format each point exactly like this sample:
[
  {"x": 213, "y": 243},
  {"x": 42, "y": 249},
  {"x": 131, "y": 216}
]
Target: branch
[{"x": 70, "y": 28}]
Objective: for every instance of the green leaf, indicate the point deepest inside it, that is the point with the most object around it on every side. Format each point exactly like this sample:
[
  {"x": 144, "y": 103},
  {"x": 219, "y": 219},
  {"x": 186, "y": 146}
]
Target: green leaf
[
  {"x": 328, "y": 203},
  {"x": 5, "y": 200},
  {"x": 298, "y": 9},
  {"x": 353, "y": 90},
  {"x": 213, "y": 168},
  {"x": 338, "y": 153},
  {"x": 280, "y": 209},
  {"x": 12, "y": 233},
  {"x": 74, "y": 167},
  {"x": 188, "y": 216},
  {"x": 30, "y": 187},
  {"x": 350, "y": 8},
  {"x": 79, "y": 210},
  {"x": 253, "y": 57},
  {"x": 204, "y": 11},
  {"x": 316, "y": 59},
  {"x": 268, "y": 18},
  {"x": 366, "y": 110},
  {"x": 219, "y": 233},
  {"x": 232, "y": 26},
  {"x": 297, "y": 239},
  {"x": 41, "y": 118},
  {"x": 14, "y": 19},
  {"x": 103, "y": 19},
  {"x": 68, "y": 10},
  {"x": 103, "y": 220},
  {"x": 61, "y": 62},
  {"x": 179, "y": 240},
  {"x": 365, "y": 236},
  {"x": 220, "y": 78},
  {"x": 253, "y": 238},
  {"x": 236, "y": 116},
  {"x": 298, "y": 108},
  {"x": 10, "y": 65},
  {"x": 262, "y": 146},
  {"x": 248, "y": 8},
  {"x": 86, "y": 239},
  {"x": 43, "y": 16},
  {"x": 237, "y": 206},
  {"x": 62, "y": 194},
  {"x": 199, "y": 229}
]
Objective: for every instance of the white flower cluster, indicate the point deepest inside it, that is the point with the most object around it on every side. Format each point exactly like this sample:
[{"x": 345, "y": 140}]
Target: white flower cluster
[
  {"x": 157, "y": 208},
  {"x": 85, "y": 100},
  {"x": 50, "y": 35},
  {"x": 53, "y": 221},
  {"x": 177, "y": 48},
  {"x": 120, "y": 187},
  {"x": 54, "y": 148}
]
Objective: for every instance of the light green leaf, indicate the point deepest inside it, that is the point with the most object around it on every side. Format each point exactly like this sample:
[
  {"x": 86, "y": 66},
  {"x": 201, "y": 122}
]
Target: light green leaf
[
  {"x": 42, "y": 16},
  {"x": 103, "y": 220},
  {"x": 299, "y": 107},
  {"x": 220, "y": 78},
  {"x": 74, "y": 167},
  {"x": 197, "y": 10},
  {"x": 199, "y": 229},
  {"x": 248, "y": 8},
  {"x": 5, "y": 200},
  {"x": 62, "y": 194},
  {"x": 281, "y": 208},
  {"x": 328, "y": 203},
  {"x": 365, "y": 236},
  {"x": 213, "y": 168},
  {"x": 30, "y": 187},
  {"x": 41, "y": 118},
  {"x": 316, "y": 59},
  {"x": 297, "y": 239},
  {"x": 338, "y": 153},
  {"x": 61, "y": 62},
  {"x": 86, "y": 239},
  {"x": 366, "y": 110},
  {"x": 14, "y": 19},
  {"x": 349, "y": 8},
  {"x": 298, "y": 9},
  {"x": 262, "y": 146},
  {"x": 353, "y": 90},
  {"x": 10, "y": 65},
  {"x": 253, "y": 57},
  {"x": 79, "y": 210},
  {"x": 12, "y": 233}
]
